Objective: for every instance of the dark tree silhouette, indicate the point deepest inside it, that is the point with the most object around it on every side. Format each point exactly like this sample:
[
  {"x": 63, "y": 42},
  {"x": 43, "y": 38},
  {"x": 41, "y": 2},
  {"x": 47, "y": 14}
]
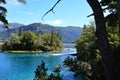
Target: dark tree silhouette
[
  {"x": 3, "y": 12},
  {"x": 118, "y": 12},
  {"x": 110, "y": 64}
]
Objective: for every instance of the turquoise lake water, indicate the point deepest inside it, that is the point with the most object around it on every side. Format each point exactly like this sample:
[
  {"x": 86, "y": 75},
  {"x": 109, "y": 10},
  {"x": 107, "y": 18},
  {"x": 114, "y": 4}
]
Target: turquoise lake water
[{"x": 22, "y": 66}]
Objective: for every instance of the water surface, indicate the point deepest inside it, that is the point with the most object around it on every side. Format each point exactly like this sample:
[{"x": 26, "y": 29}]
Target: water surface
[{"x": 22, "y": 66}]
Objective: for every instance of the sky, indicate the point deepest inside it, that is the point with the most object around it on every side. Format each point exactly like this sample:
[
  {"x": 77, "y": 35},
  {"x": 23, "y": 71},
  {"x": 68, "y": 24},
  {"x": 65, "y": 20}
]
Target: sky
[{"x": 67, "y": 12}]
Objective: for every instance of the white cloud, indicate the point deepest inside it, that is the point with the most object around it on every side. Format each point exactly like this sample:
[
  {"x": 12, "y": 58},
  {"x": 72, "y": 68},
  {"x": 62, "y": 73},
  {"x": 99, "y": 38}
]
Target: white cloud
[{"x": 55, "y": 22}]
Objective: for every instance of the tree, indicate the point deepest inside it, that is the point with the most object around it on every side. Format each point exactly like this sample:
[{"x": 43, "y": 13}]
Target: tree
[
  {"x": 59, "y": 35},
  {"x": 3, "y": 12},
  {"x": 111, "y": 66},
  {"x": 28, "y": 40},
  {"x": 118, "y": 12},
  {"x": 113, "y": 6},
  {"x": 88, "y": 53},
  {"x": 20, "y": 32},
  {"x": 41, "y": 73},
  {"x": 52, "y": 38},
  {"x": 51, "y": 42},
  {"x": 31, "y": 41}
]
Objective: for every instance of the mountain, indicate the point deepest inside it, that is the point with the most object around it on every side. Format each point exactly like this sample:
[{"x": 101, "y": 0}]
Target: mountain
[
  {"x": 68, "y": 34},
  {"x": 12, "y": 25}
]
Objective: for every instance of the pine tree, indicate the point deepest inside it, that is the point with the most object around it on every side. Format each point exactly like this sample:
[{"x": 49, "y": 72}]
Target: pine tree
[{"x": 20, "y": 31}]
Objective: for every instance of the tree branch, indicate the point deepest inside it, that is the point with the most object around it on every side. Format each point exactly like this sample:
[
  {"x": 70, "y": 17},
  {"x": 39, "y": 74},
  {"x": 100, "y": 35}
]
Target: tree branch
[
  {"x": 51, "y": 10},
  {"x": 22, "y": 1},
  {"x": 90, "y": 15}
]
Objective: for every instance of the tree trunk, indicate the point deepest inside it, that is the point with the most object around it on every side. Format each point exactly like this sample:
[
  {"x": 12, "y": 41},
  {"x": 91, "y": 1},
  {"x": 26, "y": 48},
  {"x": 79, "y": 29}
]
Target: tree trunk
[
  {"x": 118, "y": 11},
  {"x": 112, "y": 70}
]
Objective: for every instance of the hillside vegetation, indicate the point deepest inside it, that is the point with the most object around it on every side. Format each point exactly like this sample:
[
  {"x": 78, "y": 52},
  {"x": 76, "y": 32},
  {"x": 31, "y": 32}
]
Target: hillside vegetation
[{"x": 33, "y": 42}]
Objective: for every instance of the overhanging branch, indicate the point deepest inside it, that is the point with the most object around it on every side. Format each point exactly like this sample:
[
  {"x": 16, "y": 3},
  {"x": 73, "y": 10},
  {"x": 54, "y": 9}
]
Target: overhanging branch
[
  {"x": 51, "y": 10},
  {"x": 90, "y": 15}
]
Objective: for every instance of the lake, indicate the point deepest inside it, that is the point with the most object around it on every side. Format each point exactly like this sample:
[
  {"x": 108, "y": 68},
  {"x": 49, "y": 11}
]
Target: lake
[{"x": 22, "y": 66}]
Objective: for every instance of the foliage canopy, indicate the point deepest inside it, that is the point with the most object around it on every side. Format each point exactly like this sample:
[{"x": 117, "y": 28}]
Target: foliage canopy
[{"x": 33, "y": 42}]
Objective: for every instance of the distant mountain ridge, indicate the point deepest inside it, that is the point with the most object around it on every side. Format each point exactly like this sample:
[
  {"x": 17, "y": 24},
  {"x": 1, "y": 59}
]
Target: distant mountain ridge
[
  {"x": 69, "y": 34},
  {"x": 12, "y": 25}
]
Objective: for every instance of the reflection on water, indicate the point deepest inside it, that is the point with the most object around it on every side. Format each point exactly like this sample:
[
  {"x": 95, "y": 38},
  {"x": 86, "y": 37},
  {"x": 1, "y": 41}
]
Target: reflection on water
[{"x": 22, "y": 66}]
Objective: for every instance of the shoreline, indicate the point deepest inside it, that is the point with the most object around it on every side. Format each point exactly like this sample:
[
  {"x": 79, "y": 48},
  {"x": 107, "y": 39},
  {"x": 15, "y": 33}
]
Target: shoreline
[{"x": 19, "y": 51}]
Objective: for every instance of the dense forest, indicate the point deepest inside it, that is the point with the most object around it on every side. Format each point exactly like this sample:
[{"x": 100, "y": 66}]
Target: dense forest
[{"x": 34, "y": 42}]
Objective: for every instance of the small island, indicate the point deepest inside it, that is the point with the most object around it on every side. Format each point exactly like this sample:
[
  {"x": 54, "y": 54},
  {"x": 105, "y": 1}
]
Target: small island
[{"x": 33, "y": 42}]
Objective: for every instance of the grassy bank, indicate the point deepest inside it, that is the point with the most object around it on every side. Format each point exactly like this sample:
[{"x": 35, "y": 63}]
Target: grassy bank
[
  {"x": 13, "y": 51},
  {"x": 20, "y": 51}
]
